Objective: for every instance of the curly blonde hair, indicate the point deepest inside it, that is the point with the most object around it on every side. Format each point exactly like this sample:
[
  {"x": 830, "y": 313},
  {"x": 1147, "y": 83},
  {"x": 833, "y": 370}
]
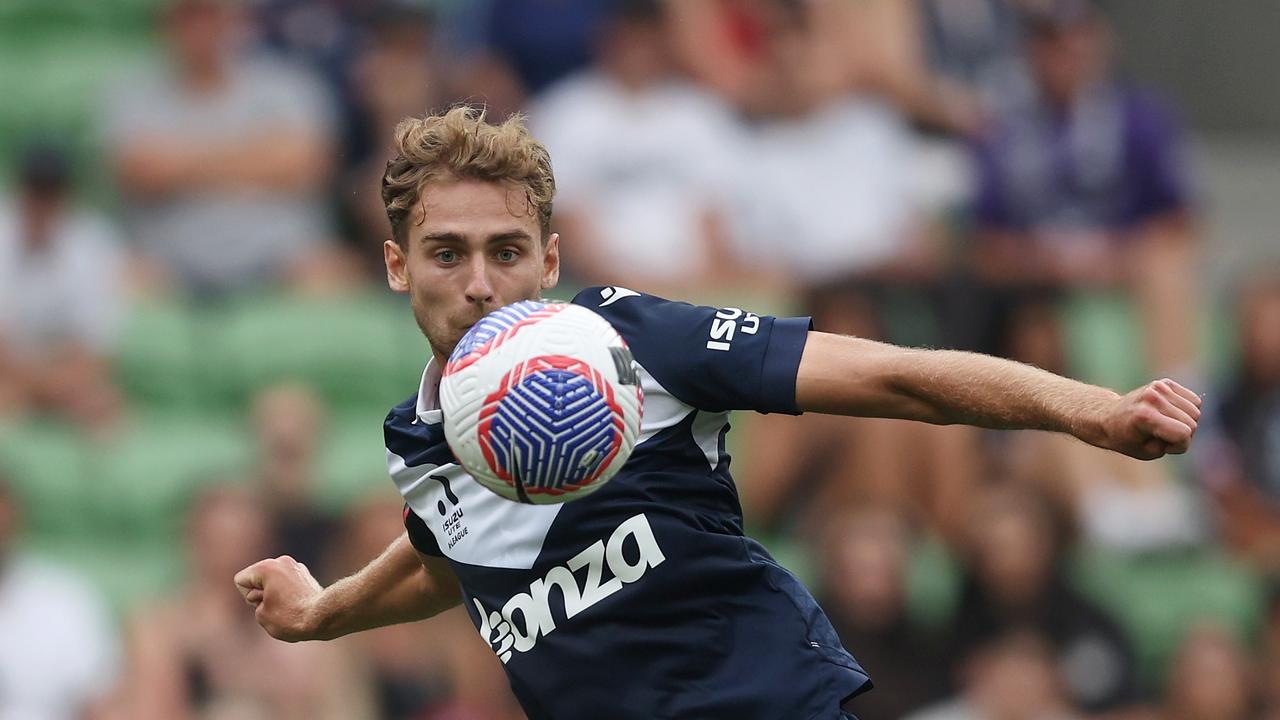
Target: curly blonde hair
[{"x": 460, "y": 144}]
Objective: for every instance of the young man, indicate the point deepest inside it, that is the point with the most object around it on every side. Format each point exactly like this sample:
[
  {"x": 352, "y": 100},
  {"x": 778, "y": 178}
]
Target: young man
[{"x": 643, "y": 600}]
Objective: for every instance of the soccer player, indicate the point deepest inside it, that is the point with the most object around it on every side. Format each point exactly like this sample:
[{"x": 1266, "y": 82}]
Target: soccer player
[{"x": 643, "y": 600}]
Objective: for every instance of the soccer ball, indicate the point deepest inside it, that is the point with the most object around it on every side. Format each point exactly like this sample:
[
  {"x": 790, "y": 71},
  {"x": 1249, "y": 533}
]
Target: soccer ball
[{"x": 541, "y": 401}]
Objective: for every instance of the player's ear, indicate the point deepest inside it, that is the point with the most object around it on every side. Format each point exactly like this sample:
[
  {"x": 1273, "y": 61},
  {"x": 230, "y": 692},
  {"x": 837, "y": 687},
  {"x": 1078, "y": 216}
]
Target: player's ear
[
  {"x": 551, "y": 262},
  {"x": 397, "y": 266}
]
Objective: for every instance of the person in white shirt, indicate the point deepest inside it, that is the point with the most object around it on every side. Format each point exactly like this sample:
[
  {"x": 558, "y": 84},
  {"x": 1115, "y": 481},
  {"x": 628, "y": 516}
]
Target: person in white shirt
[
  {"x": 59, "y": 652},
  {"x": 645, "y": 162},
  {"x": 60, "y": 298}
]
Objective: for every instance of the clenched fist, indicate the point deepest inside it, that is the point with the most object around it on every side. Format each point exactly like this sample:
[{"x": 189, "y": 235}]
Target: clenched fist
[
  {"x": 284, "y": 596},
  {"x": 1158, "y": 418}
]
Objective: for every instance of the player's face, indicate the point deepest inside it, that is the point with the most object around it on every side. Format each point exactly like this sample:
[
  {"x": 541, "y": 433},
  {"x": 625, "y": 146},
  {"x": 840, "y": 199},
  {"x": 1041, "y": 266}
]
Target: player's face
[{"x": 473, "y": 247}]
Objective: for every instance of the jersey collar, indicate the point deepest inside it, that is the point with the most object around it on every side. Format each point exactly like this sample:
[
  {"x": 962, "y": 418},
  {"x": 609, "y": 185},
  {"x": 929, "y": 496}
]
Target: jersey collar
[{"x": 428, "y": 408}]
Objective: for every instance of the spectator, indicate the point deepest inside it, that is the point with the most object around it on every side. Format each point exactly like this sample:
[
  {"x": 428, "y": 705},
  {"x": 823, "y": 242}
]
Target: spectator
[
  {"x": 1016, "y": 578},
  {"x": 60, "y": 298},
  {"x": 392, "y": 77},
  {"x": 1011, "y": 676},
  {"x": 1269, "y": 670},
  {"x": 975, "y": 48},
  {"x": 1086, "y": 187},
  {"x": 829, "y": 179},
  {"x": 644, "y": 163},
  {"x": 223, "y": 161},
  {"x": 877, "y": 46},
  {"x": 864, "y": 592},
  {"x": 510, "y": 50},
  {"x": 198, "y": 654},
  {"x": 1241, "y": 462},
  {"x": 59, "y": 653},
  {"x": 438, "y": 669},
  {"x": 289, "y": 422},
  {"x": 1209, "y": 678}
]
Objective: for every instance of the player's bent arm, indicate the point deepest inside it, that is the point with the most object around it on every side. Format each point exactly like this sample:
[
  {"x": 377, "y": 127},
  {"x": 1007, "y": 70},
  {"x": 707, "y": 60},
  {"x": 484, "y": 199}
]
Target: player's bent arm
[
  {"x": 852, "y": 376},
  {"x": 398, "y": 586}
]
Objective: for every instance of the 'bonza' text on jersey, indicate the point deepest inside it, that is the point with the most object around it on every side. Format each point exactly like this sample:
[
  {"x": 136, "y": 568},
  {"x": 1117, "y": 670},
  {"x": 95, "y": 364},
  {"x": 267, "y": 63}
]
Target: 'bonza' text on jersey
[
  {"x": 527, "y": 615},
  {"x": 639, "y": 587}
]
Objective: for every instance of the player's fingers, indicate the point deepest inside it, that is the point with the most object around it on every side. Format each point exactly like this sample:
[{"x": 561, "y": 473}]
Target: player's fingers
[
  {"x": 1169, "y": 408},
  {"x": 259, "y": 614},
  {"x": 253, "y": 597},
  {"x": 1166, "y": 428},
  {"x": 1186, "y": 393},
  {"x": 1170, "y": 391},
  {"x": 1152, "y": 449},
  {"x": 249, "y": 579}
]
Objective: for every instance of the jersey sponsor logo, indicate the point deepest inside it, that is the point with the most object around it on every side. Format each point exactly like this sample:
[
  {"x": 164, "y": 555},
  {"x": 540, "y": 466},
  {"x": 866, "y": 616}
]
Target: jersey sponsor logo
[
  {"x": 729, "y": 322},
  {"x": 612, "y": 295},
  {"x": 527, "y": 615},
  {"x": 452, "y": 514}
]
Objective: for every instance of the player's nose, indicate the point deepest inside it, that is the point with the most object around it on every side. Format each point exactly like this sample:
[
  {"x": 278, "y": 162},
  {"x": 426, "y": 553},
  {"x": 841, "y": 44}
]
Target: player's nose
[{"x": 479, "y": 289}]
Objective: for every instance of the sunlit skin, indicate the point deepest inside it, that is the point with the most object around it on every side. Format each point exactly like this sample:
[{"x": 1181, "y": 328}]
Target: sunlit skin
[{"x": 472, "y": 247}]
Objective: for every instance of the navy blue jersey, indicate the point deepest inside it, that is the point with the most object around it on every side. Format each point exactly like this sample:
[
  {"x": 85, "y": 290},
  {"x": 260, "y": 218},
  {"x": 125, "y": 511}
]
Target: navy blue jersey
[{"x": 643, "y": 599}]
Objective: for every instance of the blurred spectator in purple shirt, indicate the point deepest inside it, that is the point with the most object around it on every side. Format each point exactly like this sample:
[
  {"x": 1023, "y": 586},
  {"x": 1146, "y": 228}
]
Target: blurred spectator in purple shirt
[
  {"x": 1087, "y": 186},
  {"x": 61, "y": 297}
]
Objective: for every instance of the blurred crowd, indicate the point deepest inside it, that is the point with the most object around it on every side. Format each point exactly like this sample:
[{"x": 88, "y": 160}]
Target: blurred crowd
[{"x": 953, "y": 173}]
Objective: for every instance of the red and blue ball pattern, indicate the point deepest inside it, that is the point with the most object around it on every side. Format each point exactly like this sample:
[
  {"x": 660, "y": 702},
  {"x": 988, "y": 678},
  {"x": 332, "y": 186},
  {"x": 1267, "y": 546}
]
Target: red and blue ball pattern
[
  {"x": 551, "y": 427},
  {"x": 542, "y": 402}
]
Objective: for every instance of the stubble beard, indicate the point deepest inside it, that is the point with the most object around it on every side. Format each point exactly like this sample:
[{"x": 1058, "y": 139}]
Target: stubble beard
[{"x": 443, "y": 342}]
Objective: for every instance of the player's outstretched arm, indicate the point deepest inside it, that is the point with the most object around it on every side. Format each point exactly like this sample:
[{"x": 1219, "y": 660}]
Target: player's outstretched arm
[
  {"x": 400, "y": 585},
  {"x": 851, "y": 376}
]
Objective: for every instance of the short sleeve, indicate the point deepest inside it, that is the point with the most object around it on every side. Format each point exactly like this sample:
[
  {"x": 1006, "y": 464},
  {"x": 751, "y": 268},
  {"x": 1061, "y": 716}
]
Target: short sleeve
[
  {"x": 420, "y": 535},
  {"x": 711, "y": 358}
]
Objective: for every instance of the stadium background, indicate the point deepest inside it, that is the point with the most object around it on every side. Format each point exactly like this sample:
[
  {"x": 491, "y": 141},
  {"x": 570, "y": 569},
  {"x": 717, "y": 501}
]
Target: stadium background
[{"x": 247, "y": 418}]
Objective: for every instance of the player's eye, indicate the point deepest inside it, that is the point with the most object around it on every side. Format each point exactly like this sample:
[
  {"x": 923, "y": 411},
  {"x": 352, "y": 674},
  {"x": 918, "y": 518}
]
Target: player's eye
[
  {"x": 447, "y": 257},
  {"x": 507, "y": 255}
]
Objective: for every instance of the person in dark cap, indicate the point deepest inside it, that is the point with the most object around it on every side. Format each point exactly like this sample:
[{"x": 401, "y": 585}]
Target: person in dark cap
[{"x": 60, "y": 296}]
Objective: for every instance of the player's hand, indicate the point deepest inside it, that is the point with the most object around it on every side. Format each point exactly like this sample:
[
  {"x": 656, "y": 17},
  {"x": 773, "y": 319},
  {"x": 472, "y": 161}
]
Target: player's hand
[
  {"x": 284, "y": 596},
  {"x": 1155, "y": 420}
]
